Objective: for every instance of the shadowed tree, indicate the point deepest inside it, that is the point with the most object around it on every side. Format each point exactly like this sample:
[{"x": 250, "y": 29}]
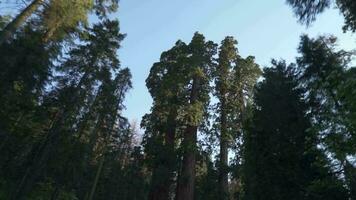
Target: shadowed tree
[
  {"x": 327, "y": 75},
  {"x": 281, "y": 158},
  {"x": 165, "y": 82}
]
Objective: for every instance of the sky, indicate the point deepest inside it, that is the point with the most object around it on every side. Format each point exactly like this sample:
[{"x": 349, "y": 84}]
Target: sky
[{"x": 265, "y": 29}]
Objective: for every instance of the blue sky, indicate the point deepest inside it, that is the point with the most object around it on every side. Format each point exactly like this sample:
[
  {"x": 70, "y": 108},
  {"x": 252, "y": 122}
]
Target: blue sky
[{"x": 265, "y": 29}]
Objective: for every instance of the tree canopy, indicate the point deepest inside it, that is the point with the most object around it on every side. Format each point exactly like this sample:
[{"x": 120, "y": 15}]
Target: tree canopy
[{"x": 220, "y": 126}]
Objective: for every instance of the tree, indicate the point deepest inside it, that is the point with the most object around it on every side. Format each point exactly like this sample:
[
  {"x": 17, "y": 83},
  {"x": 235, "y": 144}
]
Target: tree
[
  {"x": 59, "y": 18},
  {"x": 11, "y": 27},
  {"x": 307, "y": 10},
  {"x": 25, "y": 72},
  {"x": 235, "y": 78},
  {"x": 328, "y": 78},
  {"x": 227, "y": 56},
  {"x": 111, "y": 94},
  {"x": 165, "y": 82},
  {"x": 281, "y": 158},
  {"x": 199, "y": 65},
  {"x": 207, "y": 186},
  {"x": 91, "y": 63}
]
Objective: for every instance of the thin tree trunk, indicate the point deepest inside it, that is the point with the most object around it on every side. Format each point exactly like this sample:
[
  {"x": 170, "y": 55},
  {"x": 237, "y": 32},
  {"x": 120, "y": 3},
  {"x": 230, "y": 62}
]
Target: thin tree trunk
[
  {"x": 186, "y": 182},
  {"x": 97, "y": 176},
  {"x": 102, "y": 160},
  {"x": 10, "y": 28},
  {"x": 223, "y": 166}
]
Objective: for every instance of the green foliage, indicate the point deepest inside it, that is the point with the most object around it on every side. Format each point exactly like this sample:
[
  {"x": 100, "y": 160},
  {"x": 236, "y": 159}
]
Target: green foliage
[
  {"x": 281, "y": 158},
  {"x": 328, "y": 78},
  {"x": 63, "y": 135},
  {"x": 45, "y": 191},
  {"x": 326, "y": 75},
  {"x": 58, "y": 19},
  {"x": 68, "y": 108},
  {"x": 61, "y": 17},
  {"x": 192, "y": 114},
  {"x": 207, "y": 178},
  {"x": 307, "y": 10}
]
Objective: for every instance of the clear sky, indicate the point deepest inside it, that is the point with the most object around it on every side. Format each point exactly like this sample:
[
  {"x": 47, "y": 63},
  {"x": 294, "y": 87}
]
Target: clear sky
[{"x": 265, "y": 29}]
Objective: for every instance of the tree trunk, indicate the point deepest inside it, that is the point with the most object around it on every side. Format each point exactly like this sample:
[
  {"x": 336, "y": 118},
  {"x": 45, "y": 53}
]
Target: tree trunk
[
  {"x": 223, "y": 165},
  {"x": 186, "y": 182},
  {"x": 97, "y": 176},
  {"x": 10, "y": 28}
]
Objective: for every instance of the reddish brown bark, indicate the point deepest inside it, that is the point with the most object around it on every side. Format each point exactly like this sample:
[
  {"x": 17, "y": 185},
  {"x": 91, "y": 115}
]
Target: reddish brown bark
[{"x": 186, "y": 182}]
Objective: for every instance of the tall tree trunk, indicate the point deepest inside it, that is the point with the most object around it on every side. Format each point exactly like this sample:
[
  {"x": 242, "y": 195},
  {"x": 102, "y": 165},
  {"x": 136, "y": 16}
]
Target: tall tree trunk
[
  {"x": 223, "y": 165},
  {"x": 186, "y": 182},
  {"x": 162, "y": 177},
  {"x": 97, "y": 176},
  {"x": 10, "y": 28}
]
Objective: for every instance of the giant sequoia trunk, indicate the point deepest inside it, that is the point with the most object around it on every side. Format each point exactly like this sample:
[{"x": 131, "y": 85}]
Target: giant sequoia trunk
[
  {"x": 162, "y": 176},
  {"x": 10, "y": 29},
  {"x": 223, "y": 165},
  {"x": 186, "y": 182}
]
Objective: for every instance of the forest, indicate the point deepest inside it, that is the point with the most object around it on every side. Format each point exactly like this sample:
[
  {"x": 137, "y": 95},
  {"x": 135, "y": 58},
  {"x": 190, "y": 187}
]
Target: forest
[{"x": 220, "y": 125}]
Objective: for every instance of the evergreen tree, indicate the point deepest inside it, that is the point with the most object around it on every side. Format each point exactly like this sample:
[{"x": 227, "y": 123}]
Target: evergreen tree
[
  {"x": 165, "y": 82},
  {"x": 281, "y": 158},
  {"x": 199, "y": 65},
  {"x": 328, "y": 78},
  {"x": 235, "y": 78},
  {"x": 59, "y": 18},
  {"x": 307, "y": 10},
  {"x": 227, "y": 56}
]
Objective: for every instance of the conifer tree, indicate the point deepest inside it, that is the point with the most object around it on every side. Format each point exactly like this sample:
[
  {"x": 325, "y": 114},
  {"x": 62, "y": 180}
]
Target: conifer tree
[
  {"x": 327, "y": 75},
  {"x": 281, "y": 157},
  {"x": 234, "y": 82},
  {"x": 307, "y": 10},
  {"x": 199, "y": 65}
]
